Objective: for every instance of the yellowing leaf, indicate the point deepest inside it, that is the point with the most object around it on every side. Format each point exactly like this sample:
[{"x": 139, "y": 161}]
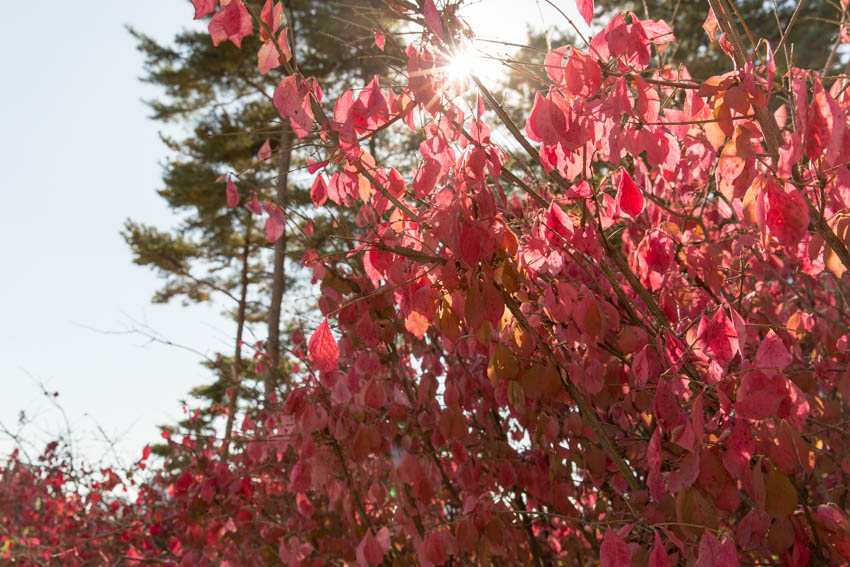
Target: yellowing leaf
[
  {"x": 693, "y": 508},
  {"x": 781, "y": 500},
  {"x": 503, "y": 365},
  {"x": 449, "y": 324},
  {"x": 523, "y": 341}
]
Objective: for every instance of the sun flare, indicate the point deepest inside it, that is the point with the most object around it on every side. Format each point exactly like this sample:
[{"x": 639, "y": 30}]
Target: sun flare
[{"x": 463, "y": 64}]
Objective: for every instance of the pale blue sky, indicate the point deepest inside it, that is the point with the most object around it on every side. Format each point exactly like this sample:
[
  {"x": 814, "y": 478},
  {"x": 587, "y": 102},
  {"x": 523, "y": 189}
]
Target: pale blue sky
[{"x": 78, "y": 156}]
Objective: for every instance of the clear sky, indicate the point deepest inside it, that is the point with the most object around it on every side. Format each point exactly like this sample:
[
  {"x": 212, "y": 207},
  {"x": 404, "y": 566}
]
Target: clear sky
[{"x": 78, "y": 157}]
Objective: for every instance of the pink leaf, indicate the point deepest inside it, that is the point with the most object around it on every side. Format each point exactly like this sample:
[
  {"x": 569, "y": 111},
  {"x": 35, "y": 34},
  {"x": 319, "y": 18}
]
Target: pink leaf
[
  {"x": 629, "y": 197},
  {"x": 559, "y": 225},
  {"x": 547, "y": 122},
  {"x": 271, "y": 15},
  {"x": 276, "y": 223},
  {"x": 614, "y": 551},
  {"x": 426, "y": 178},
  {"x": 582, "y": 76},
  {"x": 718, "y": 336},
  {"x": 305, "y": 507},
  {"x": 314, "y": 166},
  {"x": 283, "y": 43},
  {"x": 232, "y": 22},
  {"x": 380, "y": 40},
  {"x": 772, "y": 353},
  {"x": 348, "y": 141},
  {"x": 291, "y": 103},
  {"x": 432, "y": 18},
  {"x": 267, "y": 58},
  {"x": 323, "y": 348},
  {"x": 204, "y": 7},
  {"x": 787, "y": 216},
  {"x": 232, "y": 193},
  {"x": 585, "y": 9},
  {"x": 265, "y": 151},
  {"x": 254, "y": 205},
  {"x": 760, "y": 393}
]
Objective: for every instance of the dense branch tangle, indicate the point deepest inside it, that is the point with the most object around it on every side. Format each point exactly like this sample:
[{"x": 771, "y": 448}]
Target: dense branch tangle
[{"x": 623, "y": 344}]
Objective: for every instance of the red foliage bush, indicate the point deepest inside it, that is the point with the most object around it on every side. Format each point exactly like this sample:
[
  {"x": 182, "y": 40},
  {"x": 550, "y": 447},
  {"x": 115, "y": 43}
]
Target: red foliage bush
[{"x": 635, "y": 352}]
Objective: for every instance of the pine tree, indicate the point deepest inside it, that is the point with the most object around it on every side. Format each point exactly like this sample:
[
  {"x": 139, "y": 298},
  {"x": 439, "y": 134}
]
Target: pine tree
[{"x": 221, "y": 253}]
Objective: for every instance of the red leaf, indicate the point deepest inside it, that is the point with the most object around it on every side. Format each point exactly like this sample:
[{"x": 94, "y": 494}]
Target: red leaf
[
  {"x": 547, "y": 122},
  {"x": 323, "y": 348},
  {"x": 658, "y": 557},
  {"x": 614, "y": 551},
  {"x": 582, "y": 75},
  {"x": 558, "y": 223},
  {"x": 739, "y": 450},
  {"x": 232, "y": 22},
  {"x": 369, "y": 551},
  {"x": 653, "y": 456},
  {"x": 585, "y": 9},
  {"x": 319, "y": 191},
  {"x": 554, "y": 64},
  {"x": 433, "y": 549},
  {"x": 426, "y": 178},
  {"x": 467, "y": 535},
  {"x": 374, "y": 395},
  {"x": 283, "y": 43},
  {"x": 629, "y": 197},
  {"x": 714, "y": 554},
  {"x": 718, "y": 336},
  {"x": 204, "y": 7},
  {"x": 380, "y": 40},
  {"x": 432, "y": 18},
  {"x": 146, "y": 452},
  {"x": 787, "y": 216},
  {"x": 232, "y": 193},
  {"x": 710, "y": 25}
]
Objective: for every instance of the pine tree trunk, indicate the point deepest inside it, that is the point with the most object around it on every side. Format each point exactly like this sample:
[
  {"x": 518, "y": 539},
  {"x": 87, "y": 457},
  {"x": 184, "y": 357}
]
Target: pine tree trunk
[
  {"x": 236, "y": 369},
  {"x": 279, "y": 274}
]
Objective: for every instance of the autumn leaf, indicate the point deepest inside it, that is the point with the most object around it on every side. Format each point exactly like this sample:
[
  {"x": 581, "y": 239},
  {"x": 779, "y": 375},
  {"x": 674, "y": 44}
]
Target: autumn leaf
[
  {"x": 585, "y": 9},
  {"x": 232, "y": 22},
  {"x": 323, "y": 348},
  {"x": 614, "y": 552},
  {"x": 629, "y": 197},
  {"x": 232, "y": 193}
]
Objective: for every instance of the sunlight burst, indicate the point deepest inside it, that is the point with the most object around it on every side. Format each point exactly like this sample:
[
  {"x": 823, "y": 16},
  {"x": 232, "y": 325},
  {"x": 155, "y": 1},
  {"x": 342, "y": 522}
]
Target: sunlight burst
[{"x": 463, "y": 64}]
